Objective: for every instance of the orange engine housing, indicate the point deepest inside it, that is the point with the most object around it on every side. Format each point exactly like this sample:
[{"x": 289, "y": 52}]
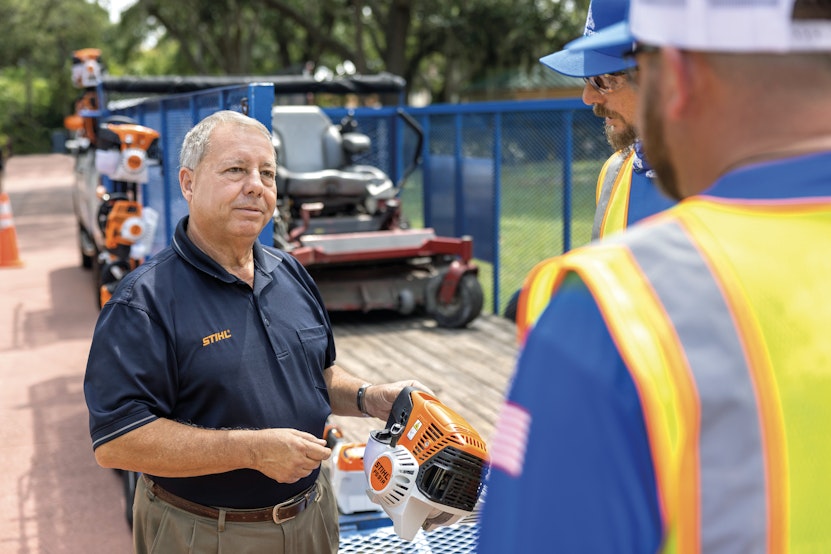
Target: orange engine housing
[
  {"x": 133, "y": 136},
  {"x": 434, "y": 426},
  {"x": 122, "y": 211},
  {"x": 451, "y": 455}
]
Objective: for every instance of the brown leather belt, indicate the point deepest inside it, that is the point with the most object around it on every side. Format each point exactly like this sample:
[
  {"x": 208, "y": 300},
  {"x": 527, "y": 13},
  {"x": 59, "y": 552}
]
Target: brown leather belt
[{"x": 280, "y": 513}]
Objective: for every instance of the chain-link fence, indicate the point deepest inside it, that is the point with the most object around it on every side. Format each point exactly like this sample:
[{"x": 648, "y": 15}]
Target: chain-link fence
[{"x": 519, "y": 177}]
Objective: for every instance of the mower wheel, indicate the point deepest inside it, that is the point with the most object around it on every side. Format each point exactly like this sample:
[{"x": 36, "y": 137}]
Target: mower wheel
[
  {"x": 465, "y": 307},
  {"x": 86, "y": 261},
  {"x": 511, "y": 307},
  {"x": 111, "y": 274},
  {"x": 85, "y": 246}
]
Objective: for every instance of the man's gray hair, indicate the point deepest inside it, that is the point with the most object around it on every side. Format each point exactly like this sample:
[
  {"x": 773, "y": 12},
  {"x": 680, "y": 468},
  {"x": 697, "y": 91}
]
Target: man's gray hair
[{"x": 197, "y": 141}]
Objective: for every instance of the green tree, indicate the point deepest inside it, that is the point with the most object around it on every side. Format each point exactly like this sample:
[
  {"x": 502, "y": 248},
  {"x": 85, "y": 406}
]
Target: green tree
[
  {"x": 36, "y": 48},
  {"x": 228, "y": 37},
  {"x": 437, "y": 45}
]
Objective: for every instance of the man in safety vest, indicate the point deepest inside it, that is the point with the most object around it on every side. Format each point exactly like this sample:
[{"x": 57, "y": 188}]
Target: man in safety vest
[
  {"x": 674, "y": 395},
  {"x": 625, "y": 192}
]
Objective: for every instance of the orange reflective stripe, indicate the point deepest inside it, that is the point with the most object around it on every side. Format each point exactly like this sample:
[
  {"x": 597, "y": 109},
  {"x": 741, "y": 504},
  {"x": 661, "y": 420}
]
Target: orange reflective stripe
[
  {"x": 648, "y": 345},
  {"x": 535, "y": 295}
]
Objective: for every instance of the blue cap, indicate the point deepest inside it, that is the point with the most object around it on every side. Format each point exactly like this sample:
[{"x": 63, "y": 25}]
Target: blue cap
[
  {"x": 745, "y": 26},
  {"x": 587, "y": 61},
  {"x": 616, "y": 39}
]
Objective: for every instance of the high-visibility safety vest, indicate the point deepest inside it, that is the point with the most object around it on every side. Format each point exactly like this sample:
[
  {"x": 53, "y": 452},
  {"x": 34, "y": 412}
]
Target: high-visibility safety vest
[
  {"x": 720, "y": 311},
  {"x": 614, "y": 185},
  {"x": 612, "y": 197}
]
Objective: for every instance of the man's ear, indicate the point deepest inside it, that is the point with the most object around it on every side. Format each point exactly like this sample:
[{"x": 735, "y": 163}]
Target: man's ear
[
  {"x": 186, "y": 183},
  {"x": 677, "y": 77}
]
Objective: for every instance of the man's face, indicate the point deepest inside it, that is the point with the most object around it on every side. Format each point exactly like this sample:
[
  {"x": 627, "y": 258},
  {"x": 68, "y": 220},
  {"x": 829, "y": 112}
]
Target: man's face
[
  {"x": 618, "y": 107},
  {"x": 652, "y": 125},
  {"x": 232, "y": 192}
]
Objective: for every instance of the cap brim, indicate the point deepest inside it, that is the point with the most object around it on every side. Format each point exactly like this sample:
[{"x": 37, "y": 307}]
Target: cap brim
[
  {"x": 584, "y": 63},
  {"x": 616, "y": 40}
]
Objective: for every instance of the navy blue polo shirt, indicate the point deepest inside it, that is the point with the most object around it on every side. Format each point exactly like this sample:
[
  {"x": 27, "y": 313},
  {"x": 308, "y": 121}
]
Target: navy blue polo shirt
[{"x": 185, "y": 340}]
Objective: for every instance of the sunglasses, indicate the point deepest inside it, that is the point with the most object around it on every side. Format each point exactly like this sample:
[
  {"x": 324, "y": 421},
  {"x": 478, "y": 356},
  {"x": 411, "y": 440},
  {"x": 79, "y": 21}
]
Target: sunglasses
[
  {"x": 610, "y": 82},
  {"x": 606, "y": 83}
]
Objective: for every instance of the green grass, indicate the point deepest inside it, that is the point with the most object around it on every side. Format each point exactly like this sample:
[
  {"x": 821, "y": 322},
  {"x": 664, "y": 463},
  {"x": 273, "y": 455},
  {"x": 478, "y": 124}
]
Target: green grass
[{"x": 531, "y": 224}]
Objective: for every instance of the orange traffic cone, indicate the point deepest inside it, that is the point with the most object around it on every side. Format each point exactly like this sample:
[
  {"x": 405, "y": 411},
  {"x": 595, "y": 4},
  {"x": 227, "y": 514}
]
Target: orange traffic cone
[{"x": 8, "y": 236}]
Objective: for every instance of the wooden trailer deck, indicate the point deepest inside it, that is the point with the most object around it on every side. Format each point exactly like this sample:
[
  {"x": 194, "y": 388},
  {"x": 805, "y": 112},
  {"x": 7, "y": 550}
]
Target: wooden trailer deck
[{"x": 468, "y": 369}]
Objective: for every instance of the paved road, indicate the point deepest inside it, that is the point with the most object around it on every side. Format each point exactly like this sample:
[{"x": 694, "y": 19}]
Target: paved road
[{"x": 55, "y": 498}]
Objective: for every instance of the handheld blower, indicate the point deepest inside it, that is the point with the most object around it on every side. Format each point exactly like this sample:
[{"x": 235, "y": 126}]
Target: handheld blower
[{"x": 425, "y": 469}]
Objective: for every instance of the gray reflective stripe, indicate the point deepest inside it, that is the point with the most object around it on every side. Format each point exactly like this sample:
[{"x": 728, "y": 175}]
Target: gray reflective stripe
[
  {"x": 615, "y": 163},
  {"x": 733, "y": 485}
]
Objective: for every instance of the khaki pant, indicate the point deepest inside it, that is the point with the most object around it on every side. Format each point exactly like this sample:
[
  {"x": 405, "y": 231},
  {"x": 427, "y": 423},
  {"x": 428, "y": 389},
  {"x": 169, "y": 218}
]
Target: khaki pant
[{"x": 160, "y": 528}]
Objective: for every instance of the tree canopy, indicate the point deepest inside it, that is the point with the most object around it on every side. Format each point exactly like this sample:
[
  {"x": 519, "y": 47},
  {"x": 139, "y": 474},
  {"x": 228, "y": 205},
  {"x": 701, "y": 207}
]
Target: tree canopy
[{"x": 438, "y": 46}]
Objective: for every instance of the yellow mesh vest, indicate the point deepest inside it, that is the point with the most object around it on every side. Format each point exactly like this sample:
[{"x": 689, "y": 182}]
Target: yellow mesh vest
[{"x": 720, "y": 311}]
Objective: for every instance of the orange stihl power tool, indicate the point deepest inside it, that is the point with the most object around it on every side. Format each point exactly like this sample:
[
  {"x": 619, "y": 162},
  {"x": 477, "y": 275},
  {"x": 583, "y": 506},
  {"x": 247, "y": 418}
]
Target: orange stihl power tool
[{"x": 426, "y": 468}]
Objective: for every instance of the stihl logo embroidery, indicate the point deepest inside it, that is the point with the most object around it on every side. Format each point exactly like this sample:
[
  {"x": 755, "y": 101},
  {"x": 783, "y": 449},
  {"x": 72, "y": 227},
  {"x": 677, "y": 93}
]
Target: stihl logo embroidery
[{"x": 216, "y": 337}]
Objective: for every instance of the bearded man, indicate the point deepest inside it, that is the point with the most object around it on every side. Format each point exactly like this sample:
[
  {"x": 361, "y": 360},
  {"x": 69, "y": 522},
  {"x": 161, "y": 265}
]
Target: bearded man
[{"x": 626, "y": 190}]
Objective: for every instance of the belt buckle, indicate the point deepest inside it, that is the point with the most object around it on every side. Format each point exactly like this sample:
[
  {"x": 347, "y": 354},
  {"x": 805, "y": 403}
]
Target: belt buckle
[
  {"x": 279, "y": 520},
  {"x": 304, "y": 500}
]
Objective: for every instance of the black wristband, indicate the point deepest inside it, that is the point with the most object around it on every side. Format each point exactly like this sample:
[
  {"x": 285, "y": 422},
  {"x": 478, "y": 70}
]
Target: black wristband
[{"x": 360, "y": 398}]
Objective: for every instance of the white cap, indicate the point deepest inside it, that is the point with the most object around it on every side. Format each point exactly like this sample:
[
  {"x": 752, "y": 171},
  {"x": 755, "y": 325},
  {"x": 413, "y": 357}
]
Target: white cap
[{"x": 775, "y": 26}]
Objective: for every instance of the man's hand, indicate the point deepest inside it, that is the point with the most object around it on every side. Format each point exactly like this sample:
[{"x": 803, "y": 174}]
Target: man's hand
[
  {"x": 288, "y": 455},
  {"x": 378, "y": 399}
]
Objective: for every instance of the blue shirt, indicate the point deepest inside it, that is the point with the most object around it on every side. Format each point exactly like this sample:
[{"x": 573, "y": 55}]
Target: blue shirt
[
  {"x": 185, "y": 340},
  {"x": 645, "y": 198},
  {"x": 587, "y": 480}
]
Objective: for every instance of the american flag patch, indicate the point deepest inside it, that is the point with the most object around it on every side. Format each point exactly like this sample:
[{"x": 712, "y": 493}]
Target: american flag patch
[{"x": 510, "y": 439}]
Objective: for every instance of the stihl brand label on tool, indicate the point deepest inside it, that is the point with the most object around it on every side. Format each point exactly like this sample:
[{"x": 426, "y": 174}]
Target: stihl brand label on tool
[
  {"x": 381, "y": 472},
  {"x": 414, "y": 429}
]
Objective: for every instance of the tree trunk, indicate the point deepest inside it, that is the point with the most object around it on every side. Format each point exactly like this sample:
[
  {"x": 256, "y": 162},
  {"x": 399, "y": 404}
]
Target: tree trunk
[{"x": 395, "y": 56}]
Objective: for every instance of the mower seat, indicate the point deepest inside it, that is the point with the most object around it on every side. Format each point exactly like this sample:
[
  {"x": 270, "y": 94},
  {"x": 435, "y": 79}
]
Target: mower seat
[{"x": 313, "y": 160}]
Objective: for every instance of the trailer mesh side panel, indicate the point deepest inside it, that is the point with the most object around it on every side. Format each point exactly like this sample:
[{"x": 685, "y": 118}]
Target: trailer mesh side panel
[{"x": 453, "y": 539}]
